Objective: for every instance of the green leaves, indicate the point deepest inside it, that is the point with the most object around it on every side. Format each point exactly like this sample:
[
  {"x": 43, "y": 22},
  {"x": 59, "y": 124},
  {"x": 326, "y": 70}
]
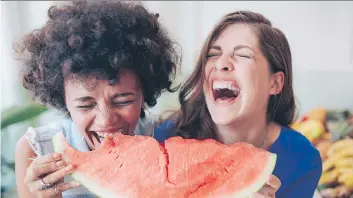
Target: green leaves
[{"x": 21, "y": 113}]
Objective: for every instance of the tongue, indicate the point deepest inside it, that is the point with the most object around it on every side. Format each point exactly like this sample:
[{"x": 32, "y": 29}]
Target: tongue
[
  {"x": 225, "y": 99},
  {"x": 226, "y": 93}
]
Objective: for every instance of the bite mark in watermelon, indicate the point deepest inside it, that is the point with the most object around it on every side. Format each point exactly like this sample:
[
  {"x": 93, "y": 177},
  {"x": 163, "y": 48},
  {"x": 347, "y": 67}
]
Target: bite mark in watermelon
[{"x": 139, "y": 166}]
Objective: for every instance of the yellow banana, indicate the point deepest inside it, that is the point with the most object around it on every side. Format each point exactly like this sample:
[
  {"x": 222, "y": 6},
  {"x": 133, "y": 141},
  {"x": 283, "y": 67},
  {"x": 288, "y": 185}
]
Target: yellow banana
[
  {"x": 340, "y": 145},
  {"x": 328, "y": 164},
  {"x": 348, "y": 152},
  {"x": 348, "y": 182},
  {"x": 344, "y": 170},
  {"x": 331, "y": 160},
  {"x": 344, "y": 162},
  {"x": 343, "y": 177},
  {"x": 328, "y": 177}
]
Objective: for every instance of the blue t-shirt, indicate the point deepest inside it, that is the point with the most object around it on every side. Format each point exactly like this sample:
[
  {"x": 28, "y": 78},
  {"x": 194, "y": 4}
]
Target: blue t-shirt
[{"x": 298, "y": 166}]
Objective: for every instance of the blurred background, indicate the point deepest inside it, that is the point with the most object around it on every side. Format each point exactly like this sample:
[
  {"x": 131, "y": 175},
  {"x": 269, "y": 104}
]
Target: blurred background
[{"x": 320, "y": 35}]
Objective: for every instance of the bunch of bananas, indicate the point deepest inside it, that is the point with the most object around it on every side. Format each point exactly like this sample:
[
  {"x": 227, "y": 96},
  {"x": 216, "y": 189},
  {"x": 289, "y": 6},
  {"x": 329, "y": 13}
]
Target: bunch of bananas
[
  {"x": 331, "y": 132},
  {"x": 337, "y": 176}
]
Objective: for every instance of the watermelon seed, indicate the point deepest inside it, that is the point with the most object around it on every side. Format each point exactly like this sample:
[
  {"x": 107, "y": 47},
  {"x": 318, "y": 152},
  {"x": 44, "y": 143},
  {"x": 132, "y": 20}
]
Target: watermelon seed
[
  {"x": 121, "y": 165},
  {"x": 117, "y": 157},
  {"x": 110, "y": 151}
]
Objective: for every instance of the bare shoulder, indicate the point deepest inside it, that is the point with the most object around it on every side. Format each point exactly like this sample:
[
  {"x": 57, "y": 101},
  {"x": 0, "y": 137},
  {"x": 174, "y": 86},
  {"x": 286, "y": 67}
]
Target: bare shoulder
[{"x": 24, "y": 149}]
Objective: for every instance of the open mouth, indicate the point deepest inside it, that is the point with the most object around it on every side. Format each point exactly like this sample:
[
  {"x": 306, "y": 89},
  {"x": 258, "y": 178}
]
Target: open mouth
[
  {"x": 225, "y": 91},
  {"x": 102, "y": 135}
]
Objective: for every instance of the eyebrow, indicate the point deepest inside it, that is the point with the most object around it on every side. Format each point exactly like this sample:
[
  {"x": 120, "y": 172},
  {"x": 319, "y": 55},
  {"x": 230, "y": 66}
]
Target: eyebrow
[
  {"x": 88, "y": 98},
  {"x": 236, "y": 48},
  {"x": 215, "y": 47}
]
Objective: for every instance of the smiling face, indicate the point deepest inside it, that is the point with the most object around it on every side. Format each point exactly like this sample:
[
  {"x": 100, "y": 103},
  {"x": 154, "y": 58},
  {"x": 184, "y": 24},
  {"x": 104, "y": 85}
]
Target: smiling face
[
  {"x": 99, "y": 109},
  {"x": 238, "y": 81}
]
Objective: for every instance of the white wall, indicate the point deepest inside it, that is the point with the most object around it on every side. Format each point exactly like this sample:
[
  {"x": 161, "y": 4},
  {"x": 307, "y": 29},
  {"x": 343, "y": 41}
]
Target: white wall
[{"x": 320, "y": 35}]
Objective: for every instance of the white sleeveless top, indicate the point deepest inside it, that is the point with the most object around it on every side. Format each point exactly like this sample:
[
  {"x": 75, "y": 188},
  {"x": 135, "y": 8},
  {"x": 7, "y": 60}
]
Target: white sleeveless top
[{"x": 40, "y": 139}]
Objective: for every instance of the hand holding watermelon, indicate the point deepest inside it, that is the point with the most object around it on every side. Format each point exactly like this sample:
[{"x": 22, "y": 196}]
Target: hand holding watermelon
[
  {"x": 45, "y": 175},
  {"x": 269, "y": 189}
]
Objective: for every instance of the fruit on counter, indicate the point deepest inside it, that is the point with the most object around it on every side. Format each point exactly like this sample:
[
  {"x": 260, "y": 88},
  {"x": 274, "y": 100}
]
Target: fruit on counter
[
  {"x": 328, "y": 177},
  {"x": 336, "y": 157},
  {"x": 319, "y": 114},
  {"x": 340, "y": 145},
  {"x": 311, "y": 129},
  {"x": 337, "y": 177},
  {"x": 338, "y": 191},
  {"x": 331, "y": 132},
  {"x": 344, "y": 163},
  {"x": 348, "y": 182},
  {"x": 344, "y": 175},
  {"x": 323, "y": 147}
]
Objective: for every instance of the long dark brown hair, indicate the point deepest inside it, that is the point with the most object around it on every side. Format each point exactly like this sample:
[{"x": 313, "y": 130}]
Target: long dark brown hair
[{"x": 193, "y": 120}]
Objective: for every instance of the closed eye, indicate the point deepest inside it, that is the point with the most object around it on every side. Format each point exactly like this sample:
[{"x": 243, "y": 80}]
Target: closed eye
[
  {"x": 125, "y": 103},
  {"x": 212, "y": 55},
  {"x": 85, "y": 106},
  {"x": 243, "y": 55}
]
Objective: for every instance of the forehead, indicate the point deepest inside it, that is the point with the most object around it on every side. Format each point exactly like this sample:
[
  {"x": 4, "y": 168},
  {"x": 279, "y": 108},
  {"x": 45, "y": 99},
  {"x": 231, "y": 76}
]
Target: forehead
[
  {"x": 237, "y": 34},
  {"x": 127, "y": 81}
]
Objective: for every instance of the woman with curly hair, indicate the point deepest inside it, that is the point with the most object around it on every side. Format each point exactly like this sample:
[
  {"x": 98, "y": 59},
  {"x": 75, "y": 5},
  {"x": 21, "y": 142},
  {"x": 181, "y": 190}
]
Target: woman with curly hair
[{"x": 99, "y": 63}]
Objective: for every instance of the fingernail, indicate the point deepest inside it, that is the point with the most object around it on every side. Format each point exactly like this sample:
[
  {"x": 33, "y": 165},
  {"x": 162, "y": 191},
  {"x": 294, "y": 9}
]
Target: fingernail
[
  {"x": 70, "y": 167},
  {"x": 76, "y": 183},
  {"x": 56, "y": 155}
]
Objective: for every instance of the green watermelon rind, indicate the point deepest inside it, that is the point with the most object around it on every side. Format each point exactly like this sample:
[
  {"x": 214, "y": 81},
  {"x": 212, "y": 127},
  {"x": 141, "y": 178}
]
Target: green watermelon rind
[{"x": 261, "y": 180}]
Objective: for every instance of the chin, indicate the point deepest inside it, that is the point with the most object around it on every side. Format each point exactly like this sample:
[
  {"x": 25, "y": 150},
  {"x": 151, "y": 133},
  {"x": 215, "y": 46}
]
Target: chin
[{"x": 223, "y": 118}]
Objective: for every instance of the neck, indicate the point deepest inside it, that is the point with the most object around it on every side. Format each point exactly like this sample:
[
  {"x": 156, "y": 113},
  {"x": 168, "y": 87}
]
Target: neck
[{"x": 253, "y": 132}]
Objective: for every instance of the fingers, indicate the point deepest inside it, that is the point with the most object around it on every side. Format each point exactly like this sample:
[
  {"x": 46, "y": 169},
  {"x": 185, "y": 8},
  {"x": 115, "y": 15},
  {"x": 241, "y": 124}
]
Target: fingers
[
  {"x": 269, "y": 189},
  {"x": 258, "y": 195},
  {"x": 56, "y": 190},
  {"x": 274, "y": 182},
  {"x": 54, "y": 177},
  {"x": 43, "y": 165},
  {"x": 37, "y": 170},
  {"x": 266, "y": 191},
  {"x": 47, "y": 158}
]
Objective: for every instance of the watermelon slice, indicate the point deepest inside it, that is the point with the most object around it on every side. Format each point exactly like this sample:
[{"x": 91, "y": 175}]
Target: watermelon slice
[{"x": 139, "y": 166}]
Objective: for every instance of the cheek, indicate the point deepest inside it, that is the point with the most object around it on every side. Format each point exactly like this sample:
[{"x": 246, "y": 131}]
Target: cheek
[
  {"x": 253, "y": 81},
  {"x": 82, "y": 120},
  {"x": 131, "y": 113},
  {"x": 206, "y": 76}
]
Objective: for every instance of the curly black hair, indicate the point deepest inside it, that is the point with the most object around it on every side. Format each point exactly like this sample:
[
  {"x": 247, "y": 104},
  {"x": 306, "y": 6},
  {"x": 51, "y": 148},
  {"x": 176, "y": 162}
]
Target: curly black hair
[{"x": 98, "y": 39}]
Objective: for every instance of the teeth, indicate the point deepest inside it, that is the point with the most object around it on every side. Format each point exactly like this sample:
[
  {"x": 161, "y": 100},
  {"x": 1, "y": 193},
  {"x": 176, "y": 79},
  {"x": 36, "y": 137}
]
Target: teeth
[
  {"x": 224, "y": 85},
  {"x": 104, "y": 135}
]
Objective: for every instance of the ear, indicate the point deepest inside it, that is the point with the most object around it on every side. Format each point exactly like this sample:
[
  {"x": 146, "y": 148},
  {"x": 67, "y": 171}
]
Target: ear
[{"x": 277, "y": 81}]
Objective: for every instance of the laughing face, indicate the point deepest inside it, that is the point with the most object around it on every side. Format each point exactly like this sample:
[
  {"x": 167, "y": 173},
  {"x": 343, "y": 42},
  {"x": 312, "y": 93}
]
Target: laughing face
[
  {"x": 238, "y": 81},
  {"x": 99, "y": 109}
]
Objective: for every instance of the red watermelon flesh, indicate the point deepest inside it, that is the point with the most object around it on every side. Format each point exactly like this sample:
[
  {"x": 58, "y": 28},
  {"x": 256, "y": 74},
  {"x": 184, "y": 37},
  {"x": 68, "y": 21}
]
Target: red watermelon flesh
[{"x": 139, "y": 166}]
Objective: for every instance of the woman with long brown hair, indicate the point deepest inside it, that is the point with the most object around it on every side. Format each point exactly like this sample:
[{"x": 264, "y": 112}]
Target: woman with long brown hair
[{"x": 241, "y": 91}]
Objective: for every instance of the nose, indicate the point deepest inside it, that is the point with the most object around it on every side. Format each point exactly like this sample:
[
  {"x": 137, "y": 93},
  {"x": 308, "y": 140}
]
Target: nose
[
  {"x": 106, "y": 117},
  {"x": 224, "y": 64}
]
